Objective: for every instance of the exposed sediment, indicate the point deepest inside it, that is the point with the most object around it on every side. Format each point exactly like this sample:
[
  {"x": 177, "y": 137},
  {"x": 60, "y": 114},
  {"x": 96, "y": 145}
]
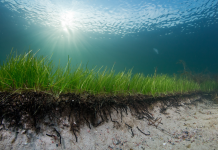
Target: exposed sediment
[{"x": 69, "y": 117}]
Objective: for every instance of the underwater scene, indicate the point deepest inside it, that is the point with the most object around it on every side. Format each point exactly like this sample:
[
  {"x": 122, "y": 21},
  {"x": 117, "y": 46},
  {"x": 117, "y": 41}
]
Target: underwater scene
[{"x": 108, "y": 74}]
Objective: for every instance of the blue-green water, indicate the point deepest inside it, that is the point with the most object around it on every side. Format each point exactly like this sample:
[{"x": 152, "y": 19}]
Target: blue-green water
[{"x": 143, "y": 34}]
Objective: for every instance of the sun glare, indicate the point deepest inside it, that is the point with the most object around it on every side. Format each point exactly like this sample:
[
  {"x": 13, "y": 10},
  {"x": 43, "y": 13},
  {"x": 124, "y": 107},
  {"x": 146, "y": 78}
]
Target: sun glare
[{"x": 67, "y": 21}]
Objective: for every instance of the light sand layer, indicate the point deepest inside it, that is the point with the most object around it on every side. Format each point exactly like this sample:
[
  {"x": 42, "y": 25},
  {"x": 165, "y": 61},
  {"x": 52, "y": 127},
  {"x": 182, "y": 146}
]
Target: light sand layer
[{"x": 194, "y": 125}]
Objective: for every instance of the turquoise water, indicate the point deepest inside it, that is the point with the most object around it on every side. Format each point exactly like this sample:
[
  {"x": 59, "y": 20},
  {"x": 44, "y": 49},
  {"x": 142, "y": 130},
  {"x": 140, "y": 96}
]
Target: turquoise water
[{"x": 130, "y": 33}]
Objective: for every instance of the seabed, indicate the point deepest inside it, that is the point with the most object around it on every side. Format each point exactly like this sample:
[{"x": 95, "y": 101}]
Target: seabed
[{"x": 108, "y": 118}]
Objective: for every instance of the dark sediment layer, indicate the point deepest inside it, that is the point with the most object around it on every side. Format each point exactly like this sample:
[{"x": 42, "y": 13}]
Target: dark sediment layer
[{"x": 28, "y": 109}]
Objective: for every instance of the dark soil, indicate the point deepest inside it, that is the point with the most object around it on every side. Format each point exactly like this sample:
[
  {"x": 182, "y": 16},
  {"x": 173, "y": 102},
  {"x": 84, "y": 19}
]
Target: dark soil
[{"x": 32, "y": 107}]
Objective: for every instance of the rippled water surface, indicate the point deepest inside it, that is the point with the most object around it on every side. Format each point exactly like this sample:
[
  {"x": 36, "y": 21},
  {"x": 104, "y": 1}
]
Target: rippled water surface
[{"x": 115, "y": 17}]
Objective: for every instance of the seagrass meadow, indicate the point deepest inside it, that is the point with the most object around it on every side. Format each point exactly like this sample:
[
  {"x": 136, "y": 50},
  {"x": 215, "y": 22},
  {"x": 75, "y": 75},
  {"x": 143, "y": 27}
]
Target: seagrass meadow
[{"x": 33, "y": 88}]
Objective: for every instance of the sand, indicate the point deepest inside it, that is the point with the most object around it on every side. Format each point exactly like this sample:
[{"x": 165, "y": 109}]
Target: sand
[{"x": 192, "y": 125}]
